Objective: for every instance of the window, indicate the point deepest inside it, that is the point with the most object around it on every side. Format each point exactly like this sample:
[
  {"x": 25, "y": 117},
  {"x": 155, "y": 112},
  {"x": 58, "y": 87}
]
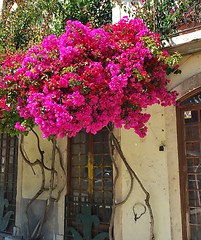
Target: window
[
  {"x": 189, "y": 134},
  {"x": 89, "y": 181},
  {"x": 8, "y": 176}
]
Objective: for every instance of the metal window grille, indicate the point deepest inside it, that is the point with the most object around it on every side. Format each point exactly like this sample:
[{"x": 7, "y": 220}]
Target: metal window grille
[
  {"x": 8, "y": 174},
  {"x": 89, "y": 180}
]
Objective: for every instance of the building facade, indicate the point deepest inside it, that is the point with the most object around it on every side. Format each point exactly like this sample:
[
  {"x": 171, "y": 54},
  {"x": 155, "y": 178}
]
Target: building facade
[{"x": 73, "y": 199}]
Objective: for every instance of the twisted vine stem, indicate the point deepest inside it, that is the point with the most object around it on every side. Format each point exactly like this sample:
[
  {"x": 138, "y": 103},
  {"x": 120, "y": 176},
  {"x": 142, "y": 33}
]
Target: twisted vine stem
[
  {"x": 114, "y": 143},
  {"x": 53, "y": 183}
]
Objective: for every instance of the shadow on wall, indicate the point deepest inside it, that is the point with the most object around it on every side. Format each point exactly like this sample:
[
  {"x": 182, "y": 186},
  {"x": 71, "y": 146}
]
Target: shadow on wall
[{"x": 36, "y": 214}]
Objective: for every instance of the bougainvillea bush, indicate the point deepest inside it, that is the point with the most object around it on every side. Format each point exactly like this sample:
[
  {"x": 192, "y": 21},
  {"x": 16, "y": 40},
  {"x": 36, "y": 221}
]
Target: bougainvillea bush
[{"x": 86, "y": 78}]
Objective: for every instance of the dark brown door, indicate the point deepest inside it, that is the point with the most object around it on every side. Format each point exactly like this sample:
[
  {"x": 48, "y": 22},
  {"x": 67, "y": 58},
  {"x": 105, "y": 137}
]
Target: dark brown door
[{"x": 189, "y": 136}]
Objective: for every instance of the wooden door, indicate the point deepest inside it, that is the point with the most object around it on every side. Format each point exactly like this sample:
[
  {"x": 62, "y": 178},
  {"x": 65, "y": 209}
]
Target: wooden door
[{"x": 189, "y": 142}]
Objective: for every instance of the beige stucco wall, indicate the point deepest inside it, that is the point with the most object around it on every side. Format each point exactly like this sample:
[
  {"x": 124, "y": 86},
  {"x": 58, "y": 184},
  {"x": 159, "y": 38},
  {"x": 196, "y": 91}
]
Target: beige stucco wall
[
  {"x": 30, "y": 180},
  {"x": 190, "y": 66},
  {"x": 32, "y": 176},
  {"x": 173, "y": 173},
  {"x": 150, "y": 164},
  {"x": 159, "y": 172}
]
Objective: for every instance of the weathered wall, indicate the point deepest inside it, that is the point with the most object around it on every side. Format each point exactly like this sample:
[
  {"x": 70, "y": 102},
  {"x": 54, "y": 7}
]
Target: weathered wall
[
  {"x": 150, "y": 165},
  {"x": 173, "y": 173},
  {"x": 190, "y": 66},
  {"x": 30, "y": 181}
]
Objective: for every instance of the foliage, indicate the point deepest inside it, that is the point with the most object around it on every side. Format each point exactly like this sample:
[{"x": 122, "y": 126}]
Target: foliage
[
  {"x": 87, "y": 220},
  {"x": 86, "y": 78},
  {"x": 32, "y": 20},
  {"x": 165, "y": 16},
  {"x": 4, "y": 215}
]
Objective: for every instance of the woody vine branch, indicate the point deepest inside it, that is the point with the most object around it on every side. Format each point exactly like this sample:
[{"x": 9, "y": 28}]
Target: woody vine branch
[
  {"x": 45, "y": 185},
  {"x": 114, "y": 143}
]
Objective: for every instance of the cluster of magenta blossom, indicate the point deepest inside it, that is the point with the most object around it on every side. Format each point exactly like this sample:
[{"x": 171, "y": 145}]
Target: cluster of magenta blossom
[{"x": 86, "y": 78}]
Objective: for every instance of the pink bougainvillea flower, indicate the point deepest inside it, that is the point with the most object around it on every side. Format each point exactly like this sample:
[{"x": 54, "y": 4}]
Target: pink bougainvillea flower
[
  {"x": 19, "y": 127},
  {"x": 86, "y": 78}
]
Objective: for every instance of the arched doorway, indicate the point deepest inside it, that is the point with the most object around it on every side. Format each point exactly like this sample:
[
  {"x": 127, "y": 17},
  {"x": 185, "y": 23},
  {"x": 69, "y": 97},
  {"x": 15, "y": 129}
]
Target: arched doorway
[{"x": 189, "y": 145}]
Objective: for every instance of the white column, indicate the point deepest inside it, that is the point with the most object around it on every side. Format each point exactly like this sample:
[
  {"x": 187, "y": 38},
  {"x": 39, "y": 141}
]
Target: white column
[{"x": 1, "y": 5}]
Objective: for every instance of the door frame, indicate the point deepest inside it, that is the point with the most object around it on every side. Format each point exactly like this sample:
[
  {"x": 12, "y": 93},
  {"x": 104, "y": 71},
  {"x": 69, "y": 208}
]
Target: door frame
[{"x": 182, "y": 159}]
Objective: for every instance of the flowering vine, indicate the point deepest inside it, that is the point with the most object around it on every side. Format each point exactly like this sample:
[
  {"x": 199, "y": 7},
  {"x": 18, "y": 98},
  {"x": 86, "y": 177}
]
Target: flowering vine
[{"x": 86, "y": 78}]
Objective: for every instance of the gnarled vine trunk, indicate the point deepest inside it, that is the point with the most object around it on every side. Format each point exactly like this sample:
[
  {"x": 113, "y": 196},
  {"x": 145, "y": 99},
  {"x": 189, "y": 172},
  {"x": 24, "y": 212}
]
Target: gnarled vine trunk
[
  {"x": 114, "y": 144},
  {"x": 46, "y": 185},
  {"x": 115, "y": 147}
]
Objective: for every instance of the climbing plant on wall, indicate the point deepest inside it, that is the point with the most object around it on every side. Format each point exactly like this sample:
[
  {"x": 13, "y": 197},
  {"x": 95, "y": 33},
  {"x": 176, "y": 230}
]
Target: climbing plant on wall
[
  {"x": 87, "y": 78},
  {"x": 71, "y": 75}
]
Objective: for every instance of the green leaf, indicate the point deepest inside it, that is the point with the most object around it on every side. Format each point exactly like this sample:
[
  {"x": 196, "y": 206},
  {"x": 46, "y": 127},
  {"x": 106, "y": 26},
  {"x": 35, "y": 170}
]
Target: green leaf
[
  {"x": 101, "y": 236},
  {"x": 75, "y": 233}
]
